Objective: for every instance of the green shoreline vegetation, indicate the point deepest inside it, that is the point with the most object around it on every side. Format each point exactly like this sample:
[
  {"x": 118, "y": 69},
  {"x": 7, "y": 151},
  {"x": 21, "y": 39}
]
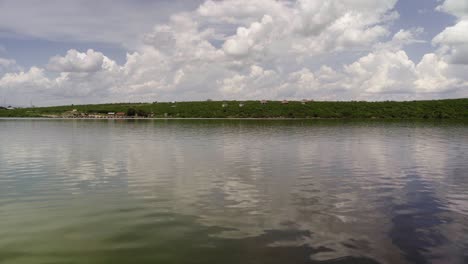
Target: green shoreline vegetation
[{"x": 432, "y": 109}]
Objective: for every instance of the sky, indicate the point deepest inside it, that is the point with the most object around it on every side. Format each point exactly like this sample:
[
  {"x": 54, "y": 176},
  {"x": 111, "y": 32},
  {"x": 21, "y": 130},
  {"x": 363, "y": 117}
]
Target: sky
[{"x": 74, "y": 52}]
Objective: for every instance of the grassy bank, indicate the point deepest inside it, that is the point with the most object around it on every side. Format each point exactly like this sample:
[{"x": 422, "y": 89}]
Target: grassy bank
[{"x": 435, "y": 109}]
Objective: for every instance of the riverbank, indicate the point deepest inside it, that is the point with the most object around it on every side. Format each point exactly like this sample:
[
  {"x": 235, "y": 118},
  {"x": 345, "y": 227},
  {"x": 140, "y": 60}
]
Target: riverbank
[{"x": 434, "y": 109}]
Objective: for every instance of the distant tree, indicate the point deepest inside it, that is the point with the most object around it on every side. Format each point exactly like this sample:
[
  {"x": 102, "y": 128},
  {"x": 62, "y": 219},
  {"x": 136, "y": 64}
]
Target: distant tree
[
  {"x": 131, "y": 112},
  {"x": 141, "y": 112}
]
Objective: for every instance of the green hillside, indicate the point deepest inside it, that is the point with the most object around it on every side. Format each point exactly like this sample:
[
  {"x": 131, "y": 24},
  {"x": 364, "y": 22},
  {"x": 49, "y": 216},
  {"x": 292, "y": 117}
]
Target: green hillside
[{"x": 435, "y": 109}]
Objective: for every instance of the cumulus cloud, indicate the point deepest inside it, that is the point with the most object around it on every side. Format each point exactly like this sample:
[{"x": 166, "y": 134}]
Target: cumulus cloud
[
  {"x": 393, "y": 72},
  {"x": 432, "y": 74},
  {"x": 380, "y": 72},
  {"x": 239, "y": 85},
  {"x": 457, "y": 8},
  {"x": 454, "y": 42},
  {"x": 249, "y": 39},
  {"x": 75, "y": 61},
  {"x": 19, "y": 87},
  {"x": 239, "y": 49},
  {"x": 34, "y": 77},
  {"x": 407, "y": 36}
]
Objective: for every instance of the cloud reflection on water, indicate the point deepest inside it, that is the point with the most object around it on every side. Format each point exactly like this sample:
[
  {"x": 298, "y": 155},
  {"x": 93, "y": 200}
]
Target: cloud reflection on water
[{"x": 391, "y": 192}]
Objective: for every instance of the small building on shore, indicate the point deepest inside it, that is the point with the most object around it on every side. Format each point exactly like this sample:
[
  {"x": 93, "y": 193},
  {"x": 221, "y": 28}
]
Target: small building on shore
[{"x": 120, "y": 114}]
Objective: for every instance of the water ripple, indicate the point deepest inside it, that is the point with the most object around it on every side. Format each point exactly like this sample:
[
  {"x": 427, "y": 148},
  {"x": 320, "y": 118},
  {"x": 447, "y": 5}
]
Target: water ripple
[{"x": 232, "y": 192}]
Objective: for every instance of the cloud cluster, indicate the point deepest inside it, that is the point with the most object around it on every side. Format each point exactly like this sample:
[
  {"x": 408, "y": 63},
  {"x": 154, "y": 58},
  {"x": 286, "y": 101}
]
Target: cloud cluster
[
  {"x": 238, "y": 49},
  {"x": 75, "y": 61},
  {"x": 453, "y": 41},
  {"x": 457, "y": 8}
]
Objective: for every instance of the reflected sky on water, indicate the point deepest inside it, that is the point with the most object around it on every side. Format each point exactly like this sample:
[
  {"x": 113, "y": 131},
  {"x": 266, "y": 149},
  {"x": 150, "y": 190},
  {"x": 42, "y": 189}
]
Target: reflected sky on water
[{"x": 231, "y": 191}]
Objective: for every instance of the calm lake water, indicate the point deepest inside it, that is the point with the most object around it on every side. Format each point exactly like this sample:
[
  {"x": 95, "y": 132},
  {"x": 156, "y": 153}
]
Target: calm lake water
[{"x": 230, "y": 191}]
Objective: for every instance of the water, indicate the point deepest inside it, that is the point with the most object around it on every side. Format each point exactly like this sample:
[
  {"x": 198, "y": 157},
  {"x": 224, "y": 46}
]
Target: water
[{"x": 206, "y": 191}]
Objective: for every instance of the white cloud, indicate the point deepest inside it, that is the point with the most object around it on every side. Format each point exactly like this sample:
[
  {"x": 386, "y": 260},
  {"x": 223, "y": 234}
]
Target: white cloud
[
  {"x": 313, "y": 17},
  {"x": 436, "y": 75},
  {"x": 250, "y": 39},
  {"x": 35, "y": 77},
  {"x": 300, "y": 84},
  {"x": 457, "y": 8},
  {"x": 240, "y": 86},
  {"x": 406, "y": 37},
  {"x": 380, "y": 72},
  {"x": 392, "y": 73},
  {"x": 269, "y": 49},
  {"x": 75, "y": 61},
  {"x": 454, "y": 42}
]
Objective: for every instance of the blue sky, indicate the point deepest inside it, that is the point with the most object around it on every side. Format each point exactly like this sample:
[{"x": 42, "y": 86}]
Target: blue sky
[{"x": 60, "y": 52}]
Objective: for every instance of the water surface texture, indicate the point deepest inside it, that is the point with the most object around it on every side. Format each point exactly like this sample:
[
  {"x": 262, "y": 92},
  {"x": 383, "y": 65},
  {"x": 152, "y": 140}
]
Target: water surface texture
[{"x": 231, "y": 191}]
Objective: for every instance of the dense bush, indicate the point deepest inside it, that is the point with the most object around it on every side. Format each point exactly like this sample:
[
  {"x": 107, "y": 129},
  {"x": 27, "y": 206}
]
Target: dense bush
[
  {"x": 131, "y": 112},
  {"x": 437, "y": 109}
]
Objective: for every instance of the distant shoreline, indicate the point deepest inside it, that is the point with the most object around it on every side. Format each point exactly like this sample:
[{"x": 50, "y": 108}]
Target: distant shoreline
[
  {"x": 254, "y": 110},
  {"x": 228, "y": 118},
  {"x": 171, "y": 118}
]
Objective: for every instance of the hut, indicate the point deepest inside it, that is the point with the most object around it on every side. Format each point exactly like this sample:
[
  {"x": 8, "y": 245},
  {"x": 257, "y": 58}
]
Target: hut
[
  {"x": 263, "y": 101},
  {"x": 285, "y": 102},
  {"x": 120, "y": 114}
]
